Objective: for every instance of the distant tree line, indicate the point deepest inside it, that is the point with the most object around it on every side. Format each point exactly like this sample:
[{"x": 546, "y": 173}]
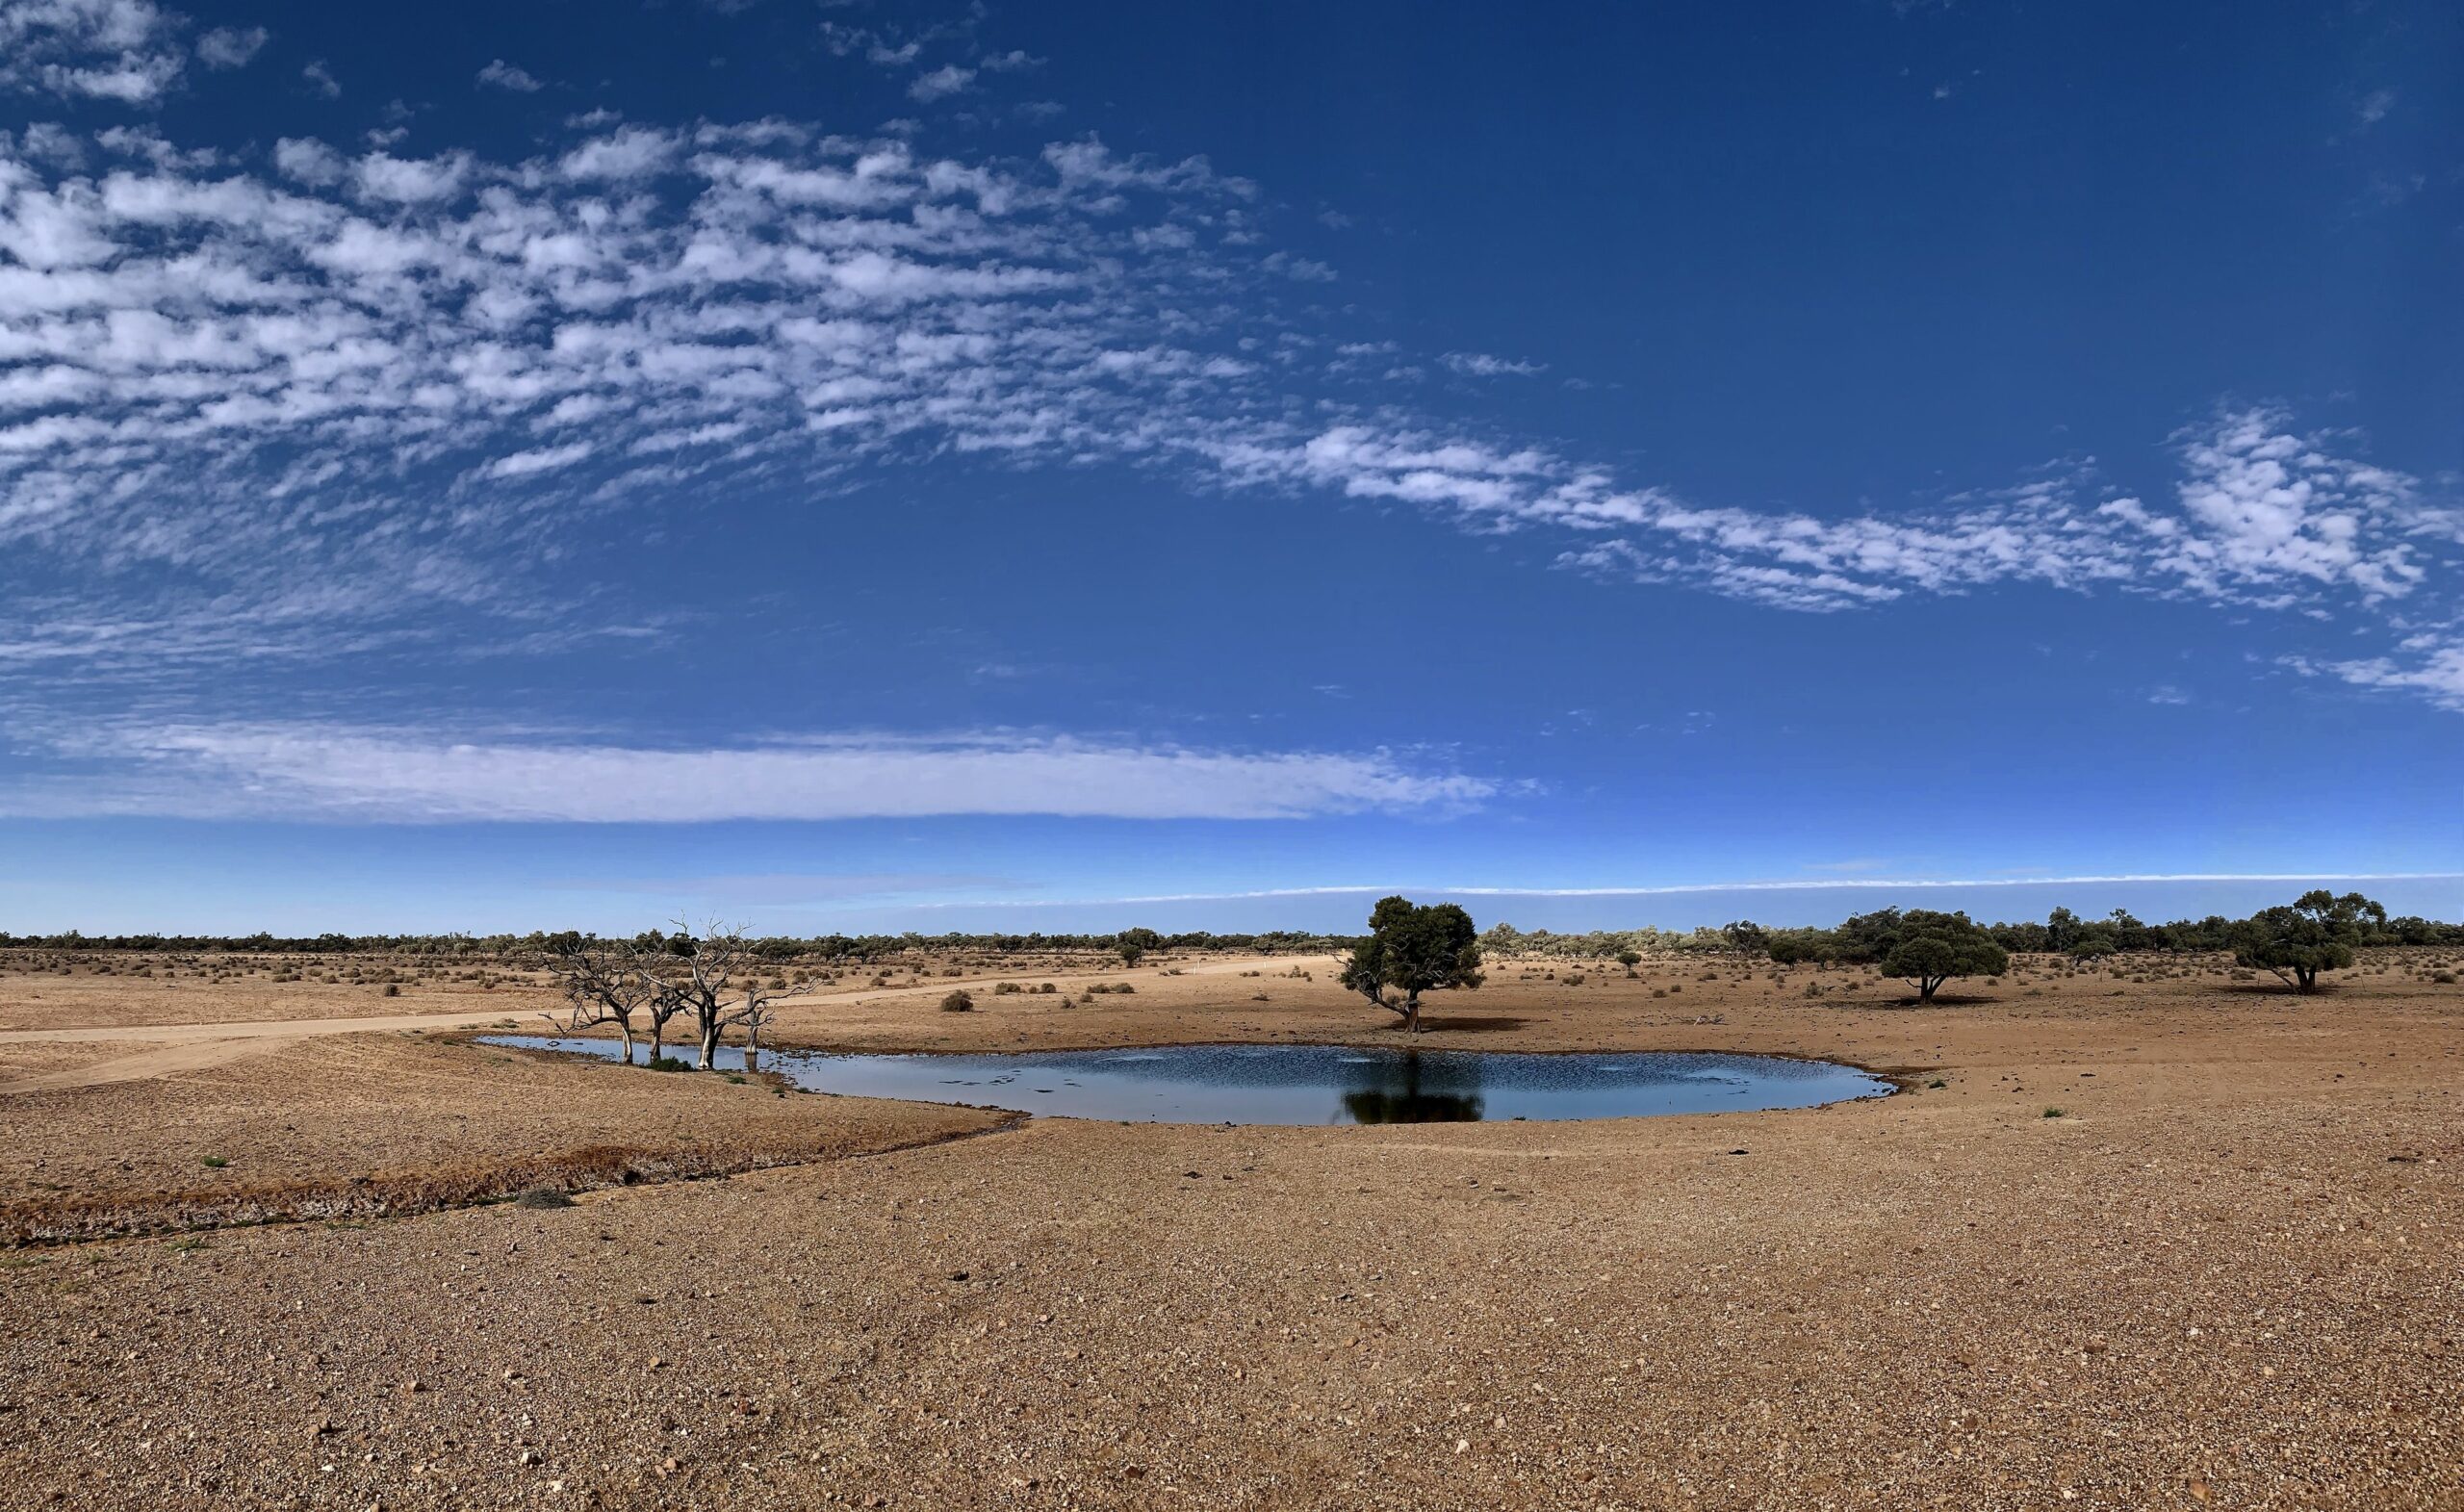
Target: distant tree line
[
  {"x": 1131, "y": 944},
  {"x": 2347, "y": 922},
  {"x": 2062, "y": 932}
]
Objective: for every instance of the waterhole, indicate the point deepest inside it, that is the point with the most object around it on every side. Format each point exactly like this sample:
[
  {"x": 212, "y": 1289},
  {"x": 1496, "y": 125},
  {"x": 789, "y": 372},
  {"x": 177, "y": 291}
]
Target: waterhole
[{"x": 1309, "y": 1084}]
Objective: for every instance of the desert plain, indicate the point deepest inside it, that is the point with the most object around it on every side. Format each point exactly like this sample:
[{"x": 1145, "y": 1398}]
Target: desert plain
[{"x": 2147, "y": 1233}]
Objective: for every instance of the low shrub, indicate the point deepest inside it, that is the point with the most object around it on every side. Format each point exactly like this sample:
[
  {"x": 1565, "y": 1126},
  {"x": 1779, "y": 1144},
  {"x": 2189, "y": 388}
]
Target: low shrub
[{"x": 958, "y": 1002}]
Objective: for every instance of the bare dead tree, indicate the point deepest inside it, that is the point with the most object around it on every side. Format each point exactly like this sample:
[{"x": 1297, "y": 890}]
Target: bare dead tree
[
  {"x": 601, "y": 983},
  {"x": 694, "y": 974},
  {"x": 665, "y": 1004},
  {"x": 713, "y": 976},
  {"x": 755, "y": 1012}
]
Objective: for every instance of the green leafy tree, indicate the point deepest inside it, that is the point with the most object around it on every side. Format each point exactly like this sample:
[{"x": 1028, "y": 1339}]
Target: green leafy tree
[
  {"x": 2315, "y": 932},
  {"x": 1921, "y": 947},
  {"x": 1629, "y": 959},
  {"x": 1746, "y": 937},
  {"x": 2060, "y": 930},
  {"x": 1792, "y": 947},
  {"x": 1411, "y": 949},
  {"x": 1133, "y": 944}
]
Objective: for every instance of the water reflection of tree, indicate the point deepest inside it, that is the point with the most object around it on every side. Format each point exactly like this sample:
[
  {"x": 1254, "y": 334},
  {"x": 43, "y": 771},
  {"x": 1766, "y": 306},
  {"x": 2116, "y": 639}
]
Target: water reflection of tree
[{"x": 1406, "y": 1089}]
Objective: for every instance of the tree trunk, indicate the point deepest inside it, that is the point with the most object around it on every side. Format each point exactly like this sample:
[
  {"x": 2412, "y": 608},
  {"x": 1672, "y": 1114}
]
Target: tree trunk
[
  {"x": 624, "y": 1027},
  {"x": 658, "y": 1030},
  {"x": 2309, "y": 978},
  {"x": 1412, "y": 1015},
  {"x": 709, "y": 1046},
  {"x": 753, "y": 1047}
]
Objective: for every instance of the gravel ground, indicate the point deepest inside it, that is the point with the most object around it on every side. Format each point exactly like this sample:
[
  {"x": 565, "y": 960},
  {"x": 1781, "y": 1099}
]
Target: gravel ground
[
  {"x": 364, "y": 1125},
  {"x": 2225, "y": 1276}
]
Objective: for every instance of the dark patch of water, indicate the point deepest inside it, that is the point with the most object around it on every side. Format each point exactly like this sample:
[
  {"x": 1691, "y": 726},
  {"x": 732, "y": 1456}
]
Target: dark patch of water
[{"x": 1310, "y": 1084}]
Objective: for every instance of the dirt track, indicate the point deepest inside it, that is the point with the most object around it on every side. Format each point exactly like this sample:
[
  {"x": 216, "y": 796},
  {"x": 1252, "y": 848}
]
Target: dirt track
[{"x": 178, "y": 1047}]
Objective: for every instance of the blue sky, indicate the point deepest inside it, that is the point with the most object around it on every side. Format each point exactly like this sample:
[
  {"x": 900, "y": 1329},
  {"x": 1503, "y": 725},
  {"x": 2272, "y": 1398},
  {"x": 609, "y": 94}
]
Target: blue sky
[{"x": 879, "y": 465}]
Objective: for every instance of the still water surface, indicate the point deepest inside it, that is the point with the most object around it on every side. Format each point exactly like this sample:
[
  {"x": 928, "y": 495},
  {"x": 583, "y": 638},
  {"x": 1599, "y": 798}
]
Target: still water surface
[{"x": 1309, "y": 1084}]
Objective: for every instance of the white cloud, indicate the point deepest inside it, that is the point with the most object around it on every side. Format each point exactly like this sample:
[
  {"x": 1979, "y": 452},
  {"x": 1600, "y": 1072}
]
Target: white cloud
[
  {"x": 1299, "y": 269},
  {"x": 502, "y": 75},
  {"x": 1824, "y": 884},
  {"x": 309, "y": 160},
  {"x": 409, "y": 181},
  {"x": 941, "y": 83},
  {"x": 125, "y": 51},
  {"x": 231, "y": 46},
  {"x": 394, "y": 777},
  {"x": 2435, "y": 672},
  {"x": 628, "y": 152},
  {"x": 544, "y": 460},
  {"x": 377, "y": 371},
  {"x": 2266, "y": 512},
  {"x": 1481, "y": 365},
  {"x": 321, "y": 78}
]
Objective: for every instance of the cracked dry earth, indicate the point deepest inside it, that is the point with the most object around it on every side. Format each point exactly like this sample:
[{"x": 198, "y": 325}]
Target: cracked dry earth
[{"x": 2226, "y": 1276}]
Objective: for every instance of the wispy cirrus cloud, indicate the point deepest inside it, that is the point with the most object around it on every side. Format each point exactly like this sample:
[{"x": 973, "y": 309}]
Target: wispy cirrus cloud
[
  {"x": 794, "y": 890},
  {"x": 1797, "y": 884},
  {"x": 1484, "y": 365},
  {"x": 377, "y": 775},
  {"x": 2265, "y": 513},
  {"x": 2429, "y": 665},
  {"x": 396, "y": 374}
]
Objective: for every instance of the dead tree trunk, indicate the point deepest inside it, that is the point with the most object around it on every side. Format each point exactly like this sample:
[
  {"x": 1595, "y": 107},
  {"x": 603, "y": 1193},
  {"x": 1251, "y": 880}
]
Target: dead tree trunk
[{"x": 603, "y": 984}]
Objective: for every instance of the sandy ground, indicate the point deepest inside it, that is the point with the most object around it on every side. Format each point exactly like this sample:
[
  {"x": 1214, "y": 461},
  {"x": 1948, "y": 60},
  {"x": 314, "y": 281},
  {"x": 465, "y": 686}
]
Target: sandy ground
[
  {"x": 2226, "y": 1276},
  {"x": 372, "y": 1124},
  {"x": 43, "y": 996}
]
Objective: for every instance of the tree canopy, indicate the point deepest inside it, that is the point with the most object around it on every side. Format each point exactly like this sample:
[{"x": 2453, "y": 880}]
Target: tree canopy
[
  {"x": 2315, "y": 932},
  {"x": 1413, "y": 948},
  {"x": 1923, "y": 947}
]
